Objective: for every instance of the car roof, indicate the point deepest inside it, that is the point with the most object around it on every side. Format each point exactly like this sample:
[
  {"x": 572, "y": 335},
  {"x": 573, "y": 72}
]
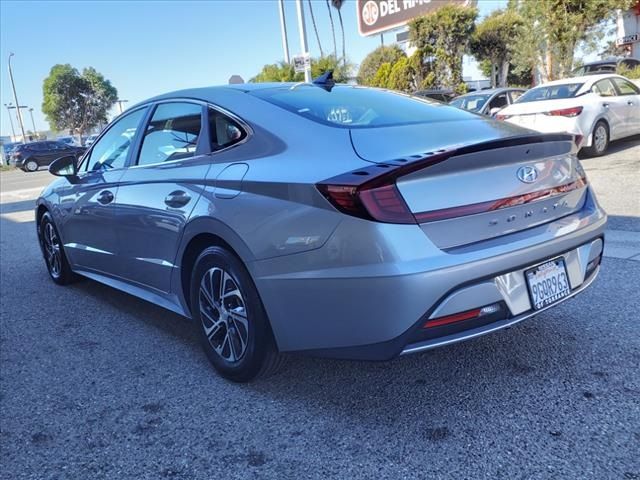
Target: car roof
[
  {"x": 492, "y": 91},
  {"x": 583, "y": 79}
]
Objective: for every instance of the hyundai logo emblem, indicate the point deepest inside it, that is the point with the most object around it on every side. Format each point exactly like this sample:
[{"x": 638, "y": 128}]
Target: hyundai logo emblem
[{"x": 527, "y": 174}]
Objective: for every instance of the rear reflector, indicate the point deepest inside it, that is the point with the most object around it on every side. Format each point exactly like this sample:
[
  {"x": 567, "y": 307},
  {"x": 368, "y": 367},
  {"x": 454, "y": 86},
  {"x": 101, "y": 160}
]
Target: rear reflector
[
  {"x": 565, "y": 112},
  {"x": 462, "y": 316}
]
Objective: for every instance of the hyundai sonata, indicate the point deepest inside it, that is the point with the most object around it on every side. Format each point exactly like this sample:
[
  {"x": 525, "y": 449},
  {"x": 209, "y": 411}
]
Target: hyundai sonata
[{"x": 334, "y": 220}]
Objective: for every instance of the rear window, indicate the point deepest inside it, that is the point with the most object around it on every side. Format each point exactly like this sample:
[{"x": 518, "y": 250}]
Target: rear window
[
  {"x": 358, "y": 107},
  {"x": 473, "y": 103},
  {"x": 551, "y": 92}
]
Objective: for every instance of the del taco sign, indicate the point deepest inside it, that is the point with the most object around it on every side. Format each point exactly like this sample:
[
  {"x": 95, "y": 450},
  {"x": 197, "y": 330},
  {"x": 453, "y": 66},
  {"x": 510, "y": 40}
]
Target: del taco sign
[{"x": 375, "y": 16}]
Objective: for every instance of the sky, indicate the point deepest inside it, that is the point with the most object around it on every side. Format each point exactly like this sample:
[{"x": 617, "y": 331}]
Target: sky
[{"x": 150, "y": 47}]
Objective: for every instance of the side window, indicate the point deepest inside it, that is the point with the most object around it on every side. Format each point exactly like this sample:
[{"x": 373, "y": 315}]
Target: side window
[
  {"x": 172, "y": 133},
  {"x": 499, "y": 102},
  {"x": 223, "y": 130},
  {"x": 112, "y": 149},
  {"x": 625, "y": 87},
  {"x": 604, "y": 88},
  {"x": 515, "y": 95}
]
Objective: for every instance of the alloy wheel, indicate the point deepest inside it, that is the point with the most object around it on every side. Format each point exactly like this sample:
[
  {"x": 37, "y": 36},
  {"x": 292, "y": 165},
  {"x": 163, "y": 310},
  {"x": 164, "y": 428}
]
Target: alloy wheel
[
  {"x": 32, "y": 166},
  {"x": 600, "y": 138},
  {"x": 52, "y": 250},
  {"x": 223, "y": 314}
]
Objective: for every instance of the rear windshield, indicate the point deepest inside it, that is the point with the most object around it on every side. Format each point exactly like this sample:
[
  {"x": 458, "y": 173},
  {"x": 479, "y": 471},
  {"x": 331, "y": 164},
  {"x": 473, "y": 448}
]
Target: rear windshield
[
  {"x": 551, "y": 92},
  {"x": 473, "y": 103},
  {"x": 359, "y": 107}
]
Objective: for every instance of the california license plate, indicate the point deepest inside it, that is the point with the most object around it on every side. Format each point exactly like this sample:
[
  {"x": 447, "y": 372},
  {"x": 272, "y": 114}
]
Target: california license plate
[{"x": 548, "y": 283}]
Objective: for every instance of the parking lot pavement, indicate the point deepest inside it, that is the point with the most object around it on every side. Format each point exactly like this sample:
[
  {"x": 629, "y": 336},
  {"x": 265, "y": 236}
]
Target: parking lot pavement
[{"x": 97, "y": 384}]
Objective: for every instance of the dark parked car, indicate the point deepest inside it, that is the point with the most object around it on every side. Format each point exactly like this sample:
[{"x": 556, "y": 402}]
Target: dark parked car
[
  {"x": 605, "y": 66},
  {"x": 31, "y": 156},
  {"x": 488, "y": 102},
  {"x": 440, "y": 94}
]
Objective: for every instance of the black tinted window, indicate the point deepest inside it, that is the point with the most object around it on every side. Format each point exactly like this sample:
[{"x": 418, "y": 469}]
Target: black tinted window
[
  {"x": 112, "y": 149},
  {"x": 223, "y": 130},
  {"x": 358, "y": 107},
  {"x": 172, "y": 133}
]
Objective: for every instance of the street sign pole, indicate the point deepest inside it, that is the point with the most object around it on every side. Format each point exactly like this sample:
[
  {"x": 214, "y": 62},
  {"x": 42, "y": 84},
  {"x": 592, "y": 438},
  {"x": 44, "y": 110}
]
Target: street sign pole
[
  {"x": 283, "y": 32},
  {"x": 15, "y": 99},
  {"x": 303, "y": 39}
]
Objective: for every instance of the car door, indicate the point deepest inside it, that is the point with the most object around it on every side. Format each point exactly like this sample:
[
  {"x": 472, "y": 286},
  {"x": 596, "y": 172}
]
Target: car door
[
  {"x": 159, "y": 191},
  {"x": 630, "y": 95},
  {"x": 88, "y": 201},
  {"x": 613, "y": 107}
]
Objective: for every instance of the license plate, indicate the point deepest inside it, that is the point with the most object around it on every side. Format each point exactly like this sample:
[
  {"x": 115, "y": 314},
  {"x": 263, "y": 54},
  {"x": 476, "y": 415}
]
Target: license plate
[{"x": 548, "y": 283}]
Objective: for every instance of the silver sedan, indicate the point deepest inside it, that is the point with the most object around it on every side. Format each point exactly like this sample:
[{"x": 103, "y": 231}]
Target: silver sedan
[{"x": 326, "y": 219}]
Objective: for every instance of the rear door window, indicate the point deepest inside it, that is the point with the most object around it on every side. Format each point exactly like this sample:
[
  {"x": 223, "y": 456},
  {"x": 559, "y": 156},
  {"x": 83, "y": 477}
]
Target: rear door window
[
  {"x": 605, "y": 88},
  {"x": 172, "y": 134}
]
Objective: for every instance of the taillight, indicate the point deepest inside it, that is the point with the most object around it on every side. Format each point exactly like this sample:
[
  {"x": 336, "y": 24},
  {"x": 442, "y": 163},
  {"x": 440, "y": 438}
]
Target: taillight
[
  {"x": 382, "y": 204},
  {"x": 565, "y": 112},
  {"x": 502, "y": 117}
]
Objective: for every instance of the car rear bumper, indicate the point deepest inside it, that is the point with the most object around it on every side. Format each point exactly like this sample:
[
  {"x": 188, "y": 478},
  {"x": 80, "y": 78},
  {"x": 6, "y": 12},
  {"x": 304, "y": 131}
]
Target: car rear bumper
[{"x": 367, "y": 294}]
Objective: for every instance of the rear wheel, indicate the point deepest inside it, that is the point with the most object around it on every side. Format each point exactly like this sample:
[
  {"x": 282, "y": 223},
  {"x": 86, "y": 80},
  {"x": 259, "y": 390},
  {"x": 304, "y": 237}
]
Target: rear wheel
[
  {"x": 31, "y": 166},
  {"x": 599, "y": 141},
  {"x": 53, "y": 252},
  {"x": 229, "y": 317}
]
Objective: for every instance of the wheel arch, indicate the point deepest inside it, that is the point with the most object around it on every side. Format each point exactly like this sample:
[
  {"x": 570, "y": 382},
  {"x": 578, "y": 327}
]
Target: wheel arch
[{"x": 198, "y": 235}]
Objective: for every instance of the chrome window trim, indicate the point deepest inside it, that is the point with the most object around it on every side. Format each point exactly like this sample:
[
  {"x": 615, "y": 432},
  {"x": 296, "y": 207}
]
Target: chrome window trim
[{"x": 244, "y": 125}]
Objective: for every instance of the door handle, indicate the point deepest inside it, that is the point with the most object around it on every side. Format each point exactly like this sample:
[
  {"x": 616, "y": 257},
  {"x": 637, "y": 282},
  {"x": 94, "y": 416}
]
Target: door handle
[
  {"x": 177, "y": 199},
  {"x": 105, "y": 197}
]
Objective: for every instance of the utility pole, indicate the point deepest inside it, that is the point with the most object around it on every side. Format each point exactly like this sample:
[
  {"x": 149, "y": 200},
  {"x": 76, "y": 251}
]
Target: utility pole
[
  {"x": 33, "y": 123},
  {"x": 15, "y": 98},
  {"x": 13, "y": 130},
  {"x": 283, "y": 32},
  {"x": 303, "y": 38},
  {"x": 120, "y": 102}
]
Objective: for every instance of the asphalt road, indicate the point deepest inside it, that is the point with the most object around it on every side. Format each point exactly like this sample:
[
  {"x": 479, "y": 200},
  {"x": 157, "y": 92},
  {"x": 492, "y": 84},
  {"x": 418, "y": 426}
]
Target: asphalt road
[{"x": 97, "y": 384}]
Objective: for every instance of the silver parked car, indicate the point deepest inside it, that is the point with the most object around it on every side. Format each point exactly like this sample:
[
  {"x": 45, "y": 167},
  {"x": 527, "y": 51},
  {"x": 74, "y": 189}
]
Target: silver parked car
[{"x": 334, "y": 220}]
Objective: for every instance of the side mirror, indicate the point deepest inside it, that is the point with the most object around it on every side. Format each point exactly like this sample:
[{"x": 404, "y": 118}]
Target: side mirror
[
  {"x": 494, "y": 111},
  {"x": 64, "y": 167}
]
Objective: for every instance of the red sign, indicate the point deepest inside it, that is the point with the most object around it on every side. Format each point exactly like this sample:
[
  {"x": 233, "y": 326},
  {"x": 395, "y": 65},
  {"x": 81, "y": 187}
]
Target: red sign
[{"x": 375, "y": 16}]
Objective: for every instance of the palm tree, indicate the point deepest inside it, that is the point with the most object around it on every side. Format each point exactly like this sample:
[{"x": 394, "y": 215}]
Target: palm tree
[
  {"x": 333, "y": 31},
  {"x": 337, "y": 4},
  {"x": 315, "y": 28}
]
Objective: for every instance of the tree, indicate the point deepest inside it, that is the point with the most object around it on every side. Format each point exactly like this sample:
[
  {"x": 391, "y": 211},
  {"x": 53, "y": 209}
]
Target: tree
[
  {"x": 315, "y": 28},
  {"x": 402, "y": 76},
  {"x": 284, "y": 72},
  {"x": 492, "y": 42},
  {"x": 381, "y": 78},
  {"x": 333, "y": 30},
  {"x": 337, "y": 4},
  {"x": 553, "y": 29},
  {"x": 76, "y": 102},
  {"x": 443, "y": 36},
  {"x": 372, "y": 62}
]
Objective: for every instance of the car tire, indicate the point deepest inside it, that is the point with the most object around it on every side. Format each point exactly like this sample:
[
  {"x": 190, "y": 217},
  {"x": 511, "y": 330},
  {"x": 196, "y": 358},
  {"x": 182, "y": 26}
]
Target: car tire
[
  {"x": 53, "y": 252},
  {"x": 229, "y": 317},
  {"x": 31, "y": 166},
  {"x": 599, "y": 141}
]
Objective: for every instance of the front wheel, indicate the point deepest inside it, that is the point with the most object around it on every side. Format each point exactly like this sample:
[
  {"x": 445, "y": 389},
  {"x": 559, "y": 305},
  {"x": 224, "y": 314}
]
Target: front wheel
[
  {"x": 599, "y": 141},
  {"x": 229, "y": 317}
]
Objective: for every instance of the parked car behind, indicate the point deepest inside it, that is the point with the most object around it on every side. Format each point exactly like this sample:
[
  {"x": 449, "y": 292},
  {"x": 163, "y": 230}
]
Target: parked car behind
[
  {"x": 595, "y": 108},
  {"x": 488, "y": 102},
  {"x": 609, "y": 65},
  {"x": 443, "y": 95},
  {"x": 31, "y": 156},
  {"x": 68, "y": 140},
  {"x": 7, "y": 148},
  {"x": 347, "y": 222},
  {"x": 90, "y": 139}
]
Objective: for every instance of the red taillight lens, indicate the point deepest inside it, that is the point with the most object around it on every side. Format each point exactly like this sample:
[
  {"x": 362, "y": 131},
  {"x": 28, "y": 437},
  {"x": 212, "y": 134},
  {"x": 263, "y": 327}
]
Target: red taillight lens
[
  {"x": 565, "y": 112},
  {"x": 502, "y": 117},
  {"x": 382, "y": 204}
]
